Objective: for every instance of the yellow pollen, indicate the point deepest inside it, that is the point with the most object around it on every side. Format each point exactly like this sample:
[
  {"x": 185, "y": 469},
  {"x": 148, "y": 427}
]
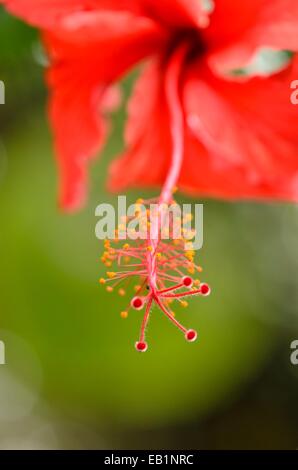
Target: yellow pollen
[
  {"x": 111, "y": 275},
  {"x": 126, "y": 246},
  {"x": 184, "y": 304},
  {"x": 124, "y": 314},
  {"x": 149, "y": 248},
  {"x": 102, "y": 280},
  {"x": 137, "y": 287},
  {"x": 121, "y": 292},
  {"x": 109, "y": 289}
]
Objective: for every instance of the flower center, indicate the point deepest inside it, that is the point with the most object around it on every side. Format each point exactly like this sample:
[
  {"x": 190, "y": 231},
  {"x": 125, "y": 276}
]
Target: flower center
[{"x": 196, "y": 46}]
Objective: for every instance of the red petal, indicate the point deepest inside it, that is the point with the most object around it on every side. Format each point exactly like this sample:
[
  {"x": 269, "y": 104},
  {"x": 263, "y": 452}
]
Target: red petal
[
  {"x": 183, "y": 13},
  {"x": 49, "y": 13},
  {"x": 237, "y": 29},
  {"x": 229, "y": 19},
  {"x": 147, "y": 135},
  {"x": 79, "y": 131},
  {"x": 201, "y": 175},
  {"x": 79, "y": 77},
  {"x": 250, "y": 131},
  {"x": 240, "y": 142}
]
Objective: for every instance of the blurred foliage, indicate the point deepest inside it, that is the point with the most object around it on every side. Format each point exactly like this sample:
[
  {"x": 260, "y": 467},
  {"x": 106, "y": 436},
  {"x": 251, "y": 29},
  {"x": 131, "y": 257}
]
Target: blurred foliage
[
  {"x": 78, "y": 354},
  {"x": 19, "y": 69}
]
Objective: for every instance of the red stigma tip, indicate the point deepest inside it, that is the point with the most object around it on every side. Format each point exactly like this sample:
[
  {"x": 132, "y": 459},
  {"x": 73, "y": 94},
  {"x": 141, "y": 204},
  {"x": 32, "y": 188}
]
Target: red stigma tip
[
  {"x": 205, "y": 289},
  {"x": 191, "y": 335},
  {"x": 187, "y": 281},
  {"x": 137, "y": 303},
  {"x": 141, "y": 346}
]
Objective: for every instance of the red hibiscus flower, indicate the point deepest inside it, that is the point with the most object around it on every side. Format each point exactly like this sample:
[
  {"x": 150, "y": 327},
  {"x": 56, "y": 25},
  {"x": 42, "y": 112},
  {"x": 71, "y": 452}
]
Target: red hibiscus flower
[
  {"x": 239, "y": 137},
  {"x": 190, "y": 122}
]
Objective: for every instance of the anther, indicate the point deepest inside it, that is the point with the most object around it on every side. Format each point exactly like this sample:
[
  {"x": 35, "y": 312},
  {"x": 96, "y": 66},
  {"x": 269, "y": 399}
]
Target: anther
[{"x": 111, "y": 275}]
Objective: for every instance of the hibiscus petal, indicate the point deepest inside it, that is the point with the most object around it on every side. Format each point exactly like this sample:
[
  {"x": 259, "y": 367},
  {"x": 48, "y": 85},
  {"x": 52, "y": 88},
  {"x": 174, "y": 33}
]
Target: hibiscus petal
[
  {"x": 238, "y": 29},
  {"x": 250, "y": 131},
  {"x": 49, "y": 13},
  {"x": 241, "y": 139},
  {"x": 79, "y": 78},
  {"x": 79, "y": 130},
  {"x": 202, "y": 176},
  {"x": 182, "y": 13},
  {"x": 147, "y": 136}
]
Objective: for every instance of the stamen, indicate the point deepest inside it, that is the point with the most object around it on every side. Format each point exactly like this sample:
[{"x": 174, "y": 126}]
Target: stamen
[{"x": 170, "y": 316}]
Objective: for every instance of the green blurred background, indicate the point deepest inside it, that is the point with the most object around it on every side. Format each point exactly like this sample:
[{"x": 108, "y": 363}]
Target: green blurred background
[{"x": 72, "y": 378}]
